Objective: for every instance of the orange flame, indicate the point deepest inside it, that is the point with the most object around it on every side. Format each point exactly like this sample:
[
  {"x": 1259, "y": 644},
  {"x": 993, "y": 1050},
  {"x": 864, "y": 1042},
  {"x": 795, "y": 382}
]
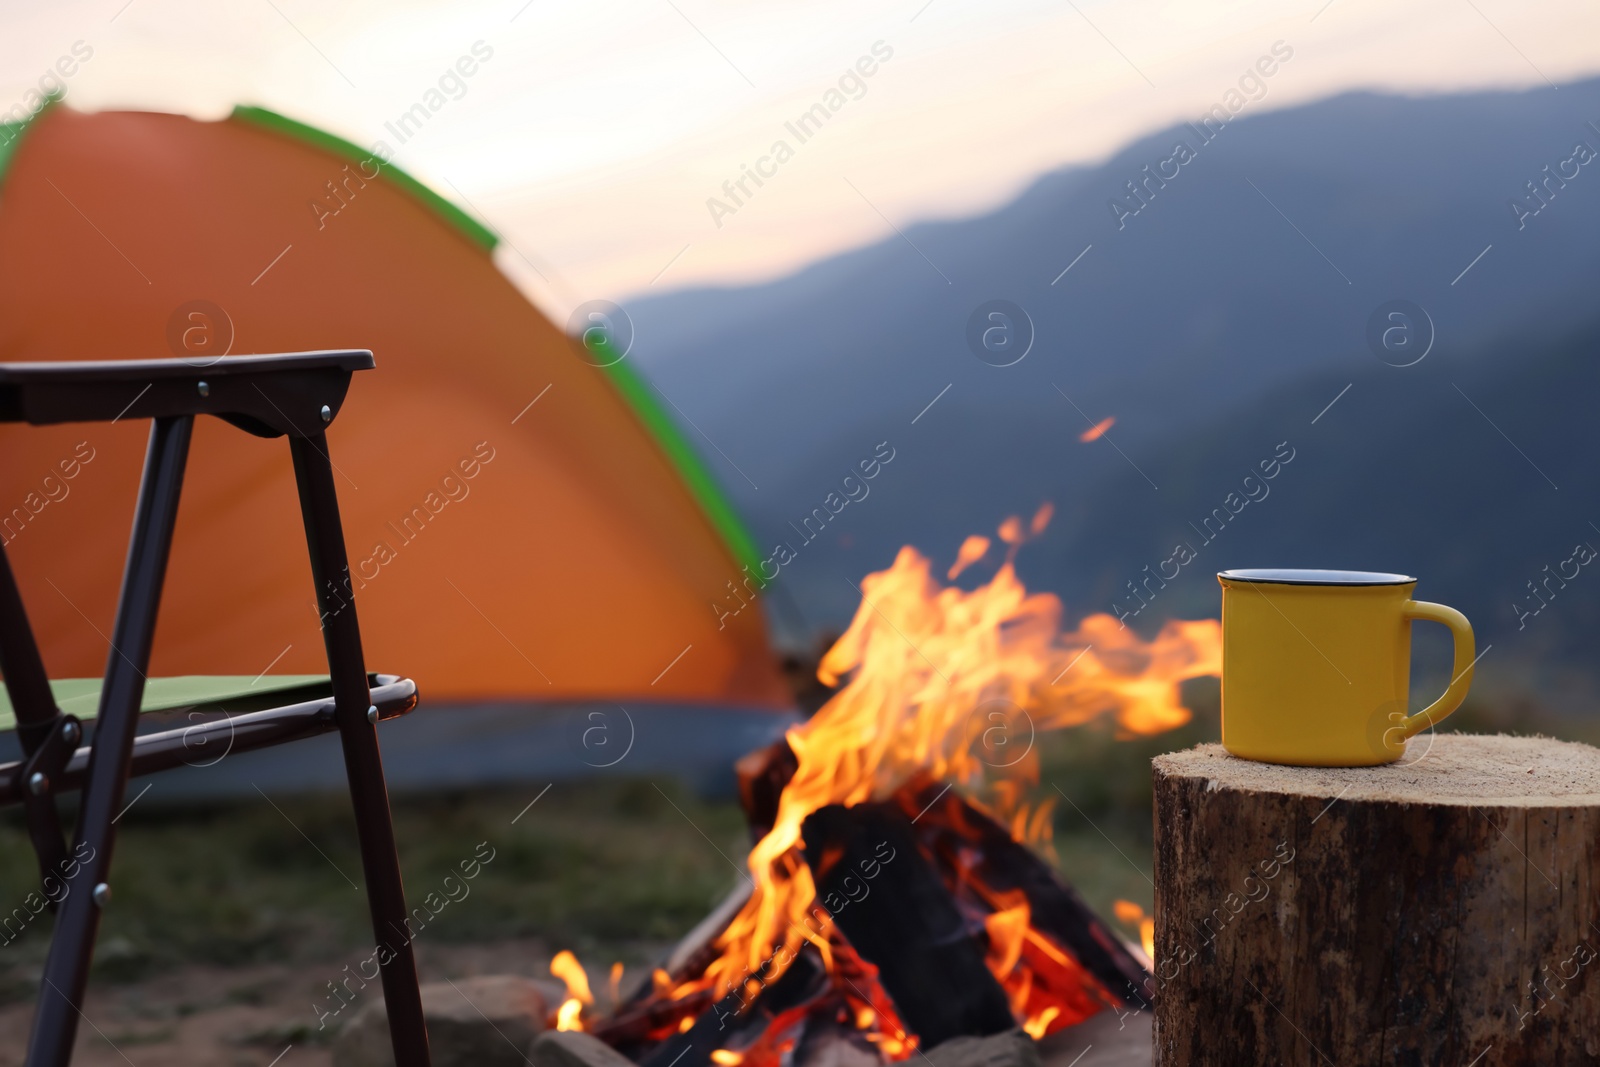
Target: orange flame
[
  {"x": 1037, "y": 1026},
  {"x": 1130, "y": 914},
  {"x": 566, "y": 967},
  {"x": 1006, "y": 930},
  {"x": 972, "y": 550},
  {"x": 949, "y": 683},
  {"x": 1098, "y": 430}
]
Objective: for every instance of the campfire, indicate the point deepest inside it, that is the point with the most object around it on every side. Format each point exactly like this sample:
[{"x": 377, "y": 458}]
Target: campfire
[{"x": 896, "y": 896}]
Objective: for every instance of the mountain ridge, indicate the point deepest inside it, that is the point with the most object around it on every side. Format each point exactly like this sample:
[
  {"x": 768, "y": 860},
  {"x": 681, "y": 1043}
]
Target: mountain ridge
[{"x": 1246, "y": 284}]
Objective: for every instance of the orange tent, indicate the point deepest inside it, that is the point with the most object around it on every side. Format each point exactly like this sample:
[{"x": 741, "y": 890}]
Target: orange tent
[{"x": 522, "y": 523}]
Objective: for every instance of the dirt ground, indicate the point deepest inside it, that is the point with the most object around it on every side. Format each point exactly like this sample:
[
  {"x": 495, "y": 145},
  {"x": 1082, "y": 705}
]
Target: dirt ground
[
  {"x": 263, "y": 1016},
  {"x": 202, "y": 1016}
]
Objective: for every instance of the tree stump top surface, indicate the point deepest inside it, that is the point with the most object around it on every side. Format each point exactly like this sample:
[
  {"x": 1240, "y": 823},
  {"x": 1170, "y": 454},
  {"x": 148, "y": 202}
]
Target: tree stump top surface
[{"x": 1466, "y": 769}]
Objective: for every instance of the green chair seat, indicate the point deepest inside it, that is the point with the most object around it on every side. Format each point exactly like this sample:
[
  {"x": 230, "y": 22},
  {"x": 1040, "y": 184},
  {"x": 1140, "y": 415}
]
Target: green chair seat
[{"x": 207, "y": 692}]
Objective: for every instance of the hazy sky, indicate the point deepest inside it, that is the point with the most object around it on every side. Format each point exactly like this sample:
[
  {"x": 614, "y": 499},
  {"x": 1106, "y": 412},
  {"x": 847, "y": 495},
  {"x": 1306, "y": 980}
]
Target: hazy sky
[{"x": 594, "y": 134}]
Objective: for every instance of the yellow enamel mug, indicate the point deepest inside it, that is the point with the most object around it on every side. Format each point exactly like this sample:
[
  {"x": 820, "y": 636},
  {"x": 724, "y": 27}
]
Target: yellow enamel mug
[{"x": 1316, "y": 665}]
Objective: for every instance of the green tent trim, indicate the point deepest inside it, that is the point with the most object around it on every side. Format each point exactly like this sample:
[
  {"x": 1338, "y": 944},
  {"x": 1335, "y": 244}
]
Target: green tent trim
[
  {"x": 12, "y": 133},
  {"x": 638, "y": 395},
  {"x": 10, "y": 136},
  {"x": 471, "y": 228},
  {"x": 724, "y": 519}
]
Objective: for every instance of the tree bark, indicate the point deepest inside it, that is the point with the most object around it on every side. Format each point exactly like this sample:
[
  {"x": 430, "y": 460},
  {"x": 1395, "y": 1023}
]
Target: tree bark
[{"x": 1431, "y": 911}]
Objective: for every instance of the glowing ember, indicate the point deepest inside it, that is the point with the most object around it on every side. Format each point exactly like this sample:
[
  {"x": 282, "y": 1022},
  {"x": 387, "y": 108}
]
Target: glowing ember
[
  {"x": 566, "y": 967},
  {"x": 973, "y": 549},
  {"x": 944, "y": 683},
  {"x": 1097, "y": 431}
]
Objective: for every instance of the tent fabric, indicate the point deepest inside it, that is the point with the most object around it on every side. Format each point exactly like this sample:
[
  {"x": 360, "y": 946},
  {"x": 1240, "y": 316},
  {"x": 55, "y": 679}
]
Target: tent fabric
[
  {"x": 632, "y": 387},
  {"x": 517, "y": 529},
  {"x": 351, "y": 153}
]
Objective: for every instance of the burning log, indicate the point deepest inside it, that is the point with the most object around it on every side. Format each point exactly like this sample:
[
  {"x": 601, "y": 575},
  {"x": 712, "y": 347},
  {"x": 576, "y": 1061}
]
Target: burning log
[
  {"x": 758, "y": 1008},
  {"x": 927, "y": 919},
  {"x": 633, "y": 1028},
  {"x": 1420, "y": 912},
  {"x": 762, "y": 775},
  {"x": 981, "y": 858},
  {"x": 897, "y": 914}
]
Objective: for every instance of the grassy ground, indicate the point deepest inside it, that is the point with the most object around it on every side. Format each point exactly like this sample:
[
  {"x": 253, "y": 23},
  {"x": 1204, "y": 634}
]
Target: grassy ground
[
  {"x": 610, "y": 869},
  {"x": 589, "y": 866},
  {"x": 604, "y": 868}
]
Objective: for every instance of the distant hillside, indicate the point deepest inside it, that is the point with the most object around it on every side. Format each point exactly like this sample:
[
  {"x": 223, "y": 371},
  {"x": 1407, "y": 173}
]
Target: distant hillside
[
  {"x": 1477, "y": 471},
  {"x": 1213, "y": 324},
  {"x": 1405, "y": 472}
]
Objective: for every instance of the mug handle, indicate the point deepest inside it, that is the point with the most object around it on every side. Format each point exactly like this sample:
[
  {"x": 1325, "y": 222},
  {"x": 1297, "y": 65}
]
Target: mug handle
[{"x": 1461, "y": 630}]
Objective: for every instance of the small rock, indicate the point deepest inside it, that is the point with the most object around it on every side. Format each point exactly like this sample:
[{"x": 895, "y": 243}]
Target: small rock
[
  {"x": 570, "y": 1048},
  {"x": 828, "y": 1044},
  {"x": 483, "y": 1022},
  {"x": 1110, "y": 1038},
  {"x": 1010, "y": 1049}
]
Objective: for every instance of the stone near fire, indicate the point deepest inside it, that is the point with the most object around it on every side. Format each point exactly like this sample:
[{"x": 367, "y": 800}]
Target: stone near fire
[
  {"x": 1012, "y": 1048},
  {"x": 569, "y": 1048},
  {"x": 487, "y": 1021},
  {"x": 1115, "y": 1037},
  {"x": 827, "y": 1043}
]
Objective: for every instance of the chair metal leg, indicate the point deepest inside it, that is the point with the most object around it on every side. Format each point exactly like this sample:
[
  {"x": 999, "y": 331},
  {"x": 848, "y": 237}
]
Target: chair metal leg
[
  {"x": 47, "y": 737},
  {"x": 66, "y": 971},
  {"x": 319, "y": 507},
  {"x": 25, "y": 677}
]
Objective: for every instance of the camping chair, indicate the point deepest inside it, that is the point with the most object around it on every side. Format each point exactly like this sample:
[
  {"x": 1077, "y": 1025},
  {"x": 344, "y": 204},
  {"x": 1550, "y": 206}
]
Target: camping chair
[{"x": 294, "y": 395}]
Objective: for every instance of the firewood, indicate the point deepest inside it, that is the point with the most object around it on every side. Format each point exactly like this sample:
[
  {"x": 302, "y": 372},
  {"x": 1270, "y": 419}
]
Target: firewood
[
  {"x": 749, "y": 1009},
  {"x": 1422, "y": 912},
  {"x": 762, "y": 776},
  {"x": 698, "y": 948},
  {"x": 896, "y": 913},
  {"x": 973, "y": 850}
]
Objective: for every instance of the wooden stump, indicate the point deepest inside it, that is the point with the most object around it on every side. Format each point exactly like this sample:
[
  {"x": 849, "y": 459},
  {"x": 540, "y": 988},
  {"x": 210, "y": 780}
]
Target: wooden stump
[{"x": 1417, "y": 913}]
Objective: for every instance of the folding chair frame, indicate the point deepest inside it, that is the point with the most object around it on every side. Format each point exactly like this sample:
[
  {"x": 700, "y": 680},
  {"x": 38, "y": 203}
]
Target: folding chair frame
[{"x": 292, "y": 395}]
